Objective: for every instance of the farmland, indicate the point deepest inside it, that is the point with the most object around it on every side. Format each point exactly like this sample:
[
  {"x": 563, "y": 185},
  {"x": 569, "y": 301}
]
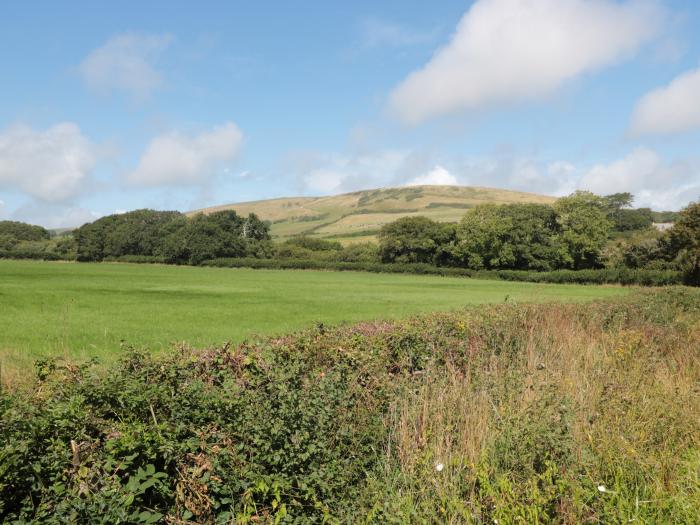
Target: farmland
[{"x": 78, "y": 311}]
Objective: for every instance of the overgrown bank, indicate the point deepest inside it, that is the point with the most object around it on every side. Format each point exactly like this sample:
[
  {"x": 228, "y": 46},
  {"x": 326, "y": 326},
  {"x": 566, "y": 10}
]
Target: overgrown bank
[{"x": 520, "y": 414}]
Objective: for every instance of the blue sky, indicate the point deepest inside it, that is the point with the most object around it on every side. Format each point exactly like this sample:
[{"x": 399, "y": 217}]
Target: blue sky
[{"x": 175, "y": 105}]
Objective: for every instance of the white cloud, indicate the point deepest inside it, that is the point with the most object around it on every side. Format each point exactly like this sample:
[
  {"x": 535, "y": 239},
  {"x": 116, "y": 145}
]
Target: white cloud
[
  {"x": 125, "y": 63},
  {"x": 438, "y": 176},
  {"x": 511, "y": 50},
  {"x": 53, "y": 165},
  {"x": 640, "y": 169},
  {"x": 674, "y": 108},
  {"x": 653, "y": 181},
  {"x": 54, "y": 215},
  {"x": 177, "y": 159},
  {"x": 326, "y": 173}
]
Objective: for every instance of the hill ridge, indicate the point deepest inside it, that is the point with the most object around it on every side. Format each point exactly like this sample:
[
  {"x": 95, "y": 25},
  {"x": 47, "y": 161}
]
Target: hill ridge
[{"x": 358, "y": 215}]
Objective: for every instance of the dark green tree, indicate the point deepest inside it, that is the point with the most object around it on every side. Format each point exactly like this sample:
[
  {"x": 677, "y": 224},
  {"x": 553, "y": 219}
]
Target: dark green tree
[
  {"x": 512, "y": 236},
  {"x": 684, "y": 240},
  {"x": 413, "y": 240},
  {"x": 139, "y": 232},
  {"x": 20, "y": 231},
  {"x": 585, "y": 228}
]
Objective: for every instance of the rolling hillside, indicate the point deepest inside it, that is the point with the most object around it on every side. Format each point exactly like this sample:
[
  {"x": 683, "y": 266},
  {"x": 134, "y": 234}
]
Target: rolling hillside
[{"x": 358, "y": 215}]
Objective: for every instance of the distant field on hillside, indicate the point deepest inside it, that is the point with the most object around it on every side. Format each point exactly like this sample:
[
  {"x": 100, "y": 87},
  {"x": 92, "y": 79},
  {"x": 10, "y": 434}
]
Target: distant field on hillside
[
  {"x": 87, "y": 310},
  {"x": 354, "y": 217}
]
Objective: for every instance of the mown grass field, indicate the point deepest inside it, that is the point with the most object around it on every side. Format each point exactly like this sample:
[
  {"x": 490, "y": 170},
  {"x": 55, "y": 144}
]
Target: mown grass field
[{"x": 78, "y": 311}]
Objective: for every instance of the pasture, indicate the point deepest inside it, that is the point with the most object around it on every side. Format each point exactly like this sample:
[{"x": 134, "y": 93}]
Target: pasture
[{"x": 79, "y": 311}]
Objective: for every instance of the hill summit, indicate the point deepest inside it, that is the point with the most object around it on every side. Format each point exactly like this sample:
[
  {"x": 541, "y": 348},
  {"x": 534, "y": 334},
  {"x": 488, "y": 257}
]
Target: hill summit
[{"x": 358, "y": 216}]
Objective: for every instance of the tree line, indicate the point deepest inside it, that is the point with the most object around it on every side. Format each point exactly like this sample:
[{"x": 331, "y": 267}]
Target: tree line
[
  {"x": 578, "y": 232},
  {"x": 582, "y": 231},
  {"x": 172, "y": 236}
]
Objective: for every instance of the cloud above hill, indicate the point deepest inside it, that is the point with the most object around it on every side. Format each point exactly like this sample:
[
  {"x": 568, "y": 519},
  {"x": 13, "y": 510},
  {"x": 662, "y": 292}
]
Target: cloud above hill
[
  {"x": 438, "y": 176},
  {"x": 125, "y": 63},
  {"x": 674, "y": 108},
  {"x": 505, "y": 51},
  {"x": 52, "y": 165},
  {"x": 177, "y": 159}
]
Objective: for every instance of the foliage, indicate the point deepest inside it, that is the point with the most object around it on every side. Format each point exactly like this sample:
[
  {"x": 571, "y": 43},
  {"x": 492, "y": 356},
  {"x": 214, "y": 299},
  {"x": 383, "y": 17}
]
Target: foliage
[
  {"x": 585, "y": 228},
  {"x": 139, "y": 232},
  {"x": 684, "y": 237},
  {"x": 20, "y": 231},
  {"x": 665, "y": 216},
  {"x": 513, "y": 236},
  {"x": 619, "y": 275},
  {"x": 413, "y": 240},
  {"x": 510, "y": 414},
  {"x": 171, "y": 235},
  {"x": 632, "y": 220},
  {"x": 313, "y": 244}
]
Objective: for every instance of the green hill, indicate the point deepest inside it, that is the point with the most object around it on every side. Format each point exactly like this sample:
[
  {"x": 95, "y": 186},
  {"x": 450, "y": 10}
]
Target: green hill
[{"x": 357, "y": 216}]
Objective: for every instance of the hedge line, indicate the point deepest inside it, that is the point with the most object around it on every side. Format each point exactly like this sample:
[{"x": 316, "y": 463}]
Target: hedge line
[
  {"x": 41, "y": 256},
  {"x": 623, "y": 276}
]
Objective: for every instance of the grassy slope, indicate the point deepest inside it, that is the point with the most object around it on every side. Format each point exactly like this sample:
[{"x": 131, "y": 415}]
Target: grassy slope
[
  {"x": 347, "y": 216},
  {"x": 84, "y": 310}
]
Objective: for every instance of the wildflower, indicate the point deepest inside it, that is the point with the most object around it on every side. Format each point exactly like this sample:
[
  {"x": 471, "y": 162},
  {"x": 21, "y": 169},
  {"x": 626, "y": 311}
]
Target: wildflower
[
  {"x": 439, "y": 467},
  {"x": 601, "y": 488}
]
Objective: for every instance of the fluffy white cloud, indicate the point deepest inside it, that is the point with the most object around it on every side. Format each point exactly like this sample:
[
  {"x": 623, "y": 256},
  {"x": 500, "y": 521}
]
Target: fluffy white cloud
[
  {"x": 177, "y": 159},
  {"x": 652, "y": 180},
  {"x": 328, "y": 173},
  {"x": 640, "y": 169},
  {"x": 125, "y": 63},
  {"x": 510, "y": 50},
  {"x": 438, "y": 176},
  {"x": 674, "y": 108},
  {"x": 54, "y": 215},
  {"x": 52, "y": 165}
]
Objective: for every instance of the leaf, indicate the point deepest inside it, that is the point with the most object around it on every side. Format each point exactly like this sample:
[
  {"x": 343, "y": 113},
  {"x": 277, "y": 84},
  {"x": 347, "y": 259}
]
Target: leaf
[{"x": 149, "y": 517}]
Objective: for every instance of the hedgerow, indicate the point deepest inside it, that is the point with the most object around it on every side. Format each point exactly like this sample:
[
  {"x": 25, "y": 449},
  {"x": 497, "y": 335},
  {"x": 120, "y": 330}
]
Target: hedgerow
[
  {"x": 601, "y": 276},
  {"x": 509, "y": 414}
]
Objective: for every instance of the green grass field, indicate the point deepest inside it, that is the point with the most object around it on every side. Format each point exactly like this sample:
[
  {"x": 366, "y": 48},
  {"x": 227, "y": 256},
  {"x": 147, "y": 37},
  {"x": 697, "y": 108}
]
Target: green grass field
[{"x": 87, "y": 310}]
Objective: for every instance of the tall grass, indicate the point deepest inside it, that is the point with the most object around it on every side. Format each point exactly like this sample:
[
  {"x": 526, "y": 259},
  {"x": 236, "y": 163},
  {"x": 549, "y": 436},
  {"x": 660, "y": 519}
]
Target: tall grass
[{"x": 559, "y": 415}]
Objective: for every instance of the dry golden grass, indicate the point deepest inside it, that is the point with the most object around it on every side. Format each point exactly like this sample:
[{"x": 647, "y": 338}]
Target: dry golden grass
[{"x": 626, "y": 394}]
